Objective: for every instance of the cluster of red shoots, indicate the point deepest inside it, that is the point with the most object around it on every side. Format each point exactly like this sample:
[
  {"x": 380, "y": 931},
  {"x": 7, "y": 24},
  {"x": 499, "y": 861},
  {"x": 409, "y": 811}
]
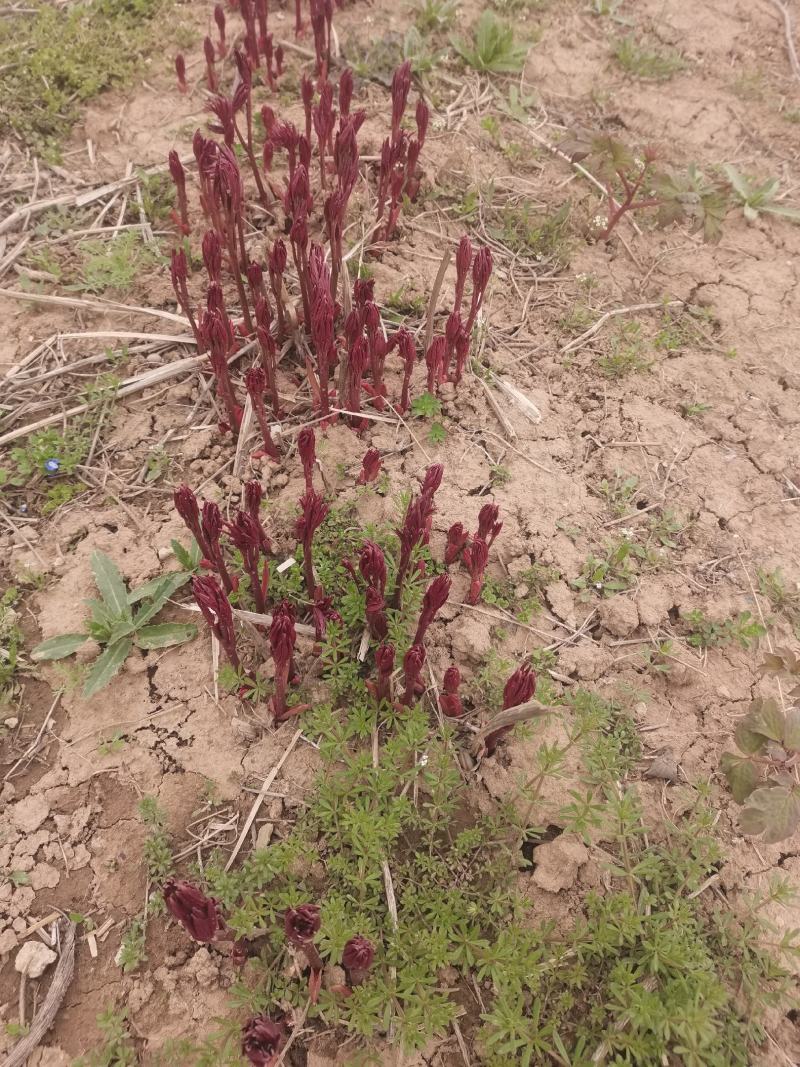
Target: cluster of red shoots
[
  {"x": 245, "y": 534},
  {"x": 473, "y": 549},
  {"x": 446, "y": 355},
  {"x": 342, "y": 346},
  {"x": 264, "y": 1036}
]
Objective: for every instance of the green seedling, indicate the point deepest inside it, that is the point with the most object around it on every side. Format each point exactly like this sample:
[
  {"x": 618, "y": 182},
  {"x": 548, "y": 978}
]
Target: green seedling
[
  {"x": 494, "y": 48},
  {"x": 760, "y": 775},
  {"x": 647, "y": 64},
  {"x": 706, "y": 633},
  {"x": 120, "y": 619},
  {"x": 756, "y": 198}
]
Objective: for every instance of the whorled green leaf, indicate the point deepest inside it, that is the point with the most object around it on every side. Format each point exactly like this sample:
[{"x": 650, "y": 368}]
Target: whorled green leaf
[
  {"x": 164, "y": 634},
  {"x": 58, "y": 647},
  {"x": 772, "y": 811},
  {"x": 106, "y": 666},
  {"x": 495, "y": 50},
  {"x": 111, "y": 586},
  {"x": 740, "y": 774},
  {"x": 189, "y": 558}
]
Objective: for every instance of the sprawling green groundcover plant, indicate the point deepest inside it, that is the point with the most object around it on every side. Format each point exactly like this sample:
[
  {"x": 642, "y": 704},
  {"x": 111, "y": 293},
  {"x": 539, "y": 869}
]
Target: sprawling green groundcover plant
[{"x": 395, "y": 908}]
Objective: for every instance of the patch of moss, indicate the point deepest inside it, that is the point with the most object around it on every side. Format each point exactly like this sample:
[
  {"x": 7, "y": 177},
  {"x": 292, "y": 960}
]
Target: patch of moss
[{"x": 58, "y": 57}]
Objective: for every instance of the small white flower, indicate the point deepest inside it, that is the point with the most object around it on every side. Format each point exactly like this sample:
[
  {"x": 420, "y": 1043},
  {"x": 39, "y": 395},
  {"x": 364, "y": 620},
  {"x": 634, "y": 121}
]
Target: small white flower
[{"x": 599, "y": 222}]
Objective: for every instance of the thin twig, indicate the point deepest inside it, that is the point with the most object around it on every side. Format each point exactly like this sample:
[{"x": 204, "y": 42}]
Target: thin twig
[
  {"x": 434, "y": 297},
  {"x": 788, "y": 30},
  {"x": 32, "y": 748},
  {"x": 576, "y": 342}
]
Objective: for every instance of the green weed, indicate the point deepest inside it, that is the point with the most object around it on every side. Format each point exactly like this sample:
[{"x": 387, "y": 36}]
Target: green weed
[
  {"x": 56, "y": 57},
  {"x": 744, "y": 629},
  {"x": 628, "y": 354},
  {"x": 118, "y": 1049},
  {"x": 647, "y": 64},
  {"x": 113, "y": 265},
  {"x": 494, "y": 48}
]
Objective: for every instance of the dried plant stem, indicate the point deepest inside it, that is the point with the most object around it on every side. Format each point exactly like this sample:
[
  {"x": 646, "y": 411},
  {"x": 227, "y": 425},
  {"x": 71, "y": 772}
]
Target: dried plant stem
[
  {"x": 788, "y": 30},
  {"x": 43, "y": 1019},
  {"x": 434, "y": 297},
  {"x": 576, "y": 342},
  {"x": 105, "y": 306}
]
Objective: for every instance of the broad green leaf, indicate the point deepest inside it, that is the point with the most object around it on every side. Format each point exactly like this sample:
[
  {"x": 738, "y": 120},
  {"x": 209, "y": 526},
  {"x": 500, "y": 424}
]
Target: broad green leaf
[
  {"x": 101, "y": 616},
  {"x": 740, "y": 774},
  {"x": 160, "y": 588},
  {"x": 120, "y": 629},
  {"x": 165, "y": 634},
  {"x": 111, "y": 586},
  {"x": 785, "y": 211},
  {"x": 773, "y": 811},
  {"x": 791, "y": 732},
  {"x": 765, "y": 717},
  {"x": 748, "y": 740},
  {"x": 106, "y": 666},
  {"x": 58, "y": 647},
  {"x": 738, "y": 181}
]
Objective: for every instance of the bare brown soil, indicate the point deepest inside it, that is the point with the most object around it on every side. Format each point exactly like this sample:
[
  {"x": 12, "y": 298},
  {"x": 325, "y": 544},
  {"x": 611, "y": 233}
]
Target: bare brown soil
[{"x": 728, "y": 473}]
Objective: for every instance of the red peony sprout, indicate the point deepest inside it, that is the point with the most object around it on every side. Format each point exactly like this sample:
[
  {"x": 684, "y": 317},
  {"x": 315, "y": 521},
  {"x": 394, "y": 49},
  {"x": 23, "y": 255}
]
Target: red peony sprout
[
  {"x": 401, "y": 84},
  {"x": 384, "y": 661},
  {"x": 407, "y": 349},
  {"x": 436, "y": 360},
  {"x": 246, "y": 534},
  {"x": 282, "y": 639},
  {"x": 372, "y": 564},
  {"x": 179, "y": 274},
  {"x": 488, "y": 526},
  {"x": 450, "y": 700},
  {"x": 345, "y": 91},
  {"x": 413, "y": 663},
  {"x": 211, "y": 525},
  {"x": 519, "y": 689},
  {"x": 219, "y": 18},
  {"x": 410, "y": 534},
  {"x": 307, "y": 447},
  {"x": 263, "y": 1040},
  {"x": 180, "y": 71},
  {"x": 481, "y": 272},
  {"x": 370, "y": 467},
  {"x": 216, "y": 609},
  {"x": 187, "y": 507},
  {"x": 256, "y": 382},
  {"x": 301, "y": 925},
  {"x": 178, "y": 176},
  {"x": 475, "y": 557},
  {"x": 457, "y": 537},
  {"x": 212, "y": 255},
  {"x": 314, "y": 510},
  {"x": 434, "y": 600},
  {"x": 211, "y": 74},
  {"x": 375, "y": 611},
  {"x": 357, "y": 958},
  {"x": 198, "y": 914},
  {"x": 463, "y": 263}
]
